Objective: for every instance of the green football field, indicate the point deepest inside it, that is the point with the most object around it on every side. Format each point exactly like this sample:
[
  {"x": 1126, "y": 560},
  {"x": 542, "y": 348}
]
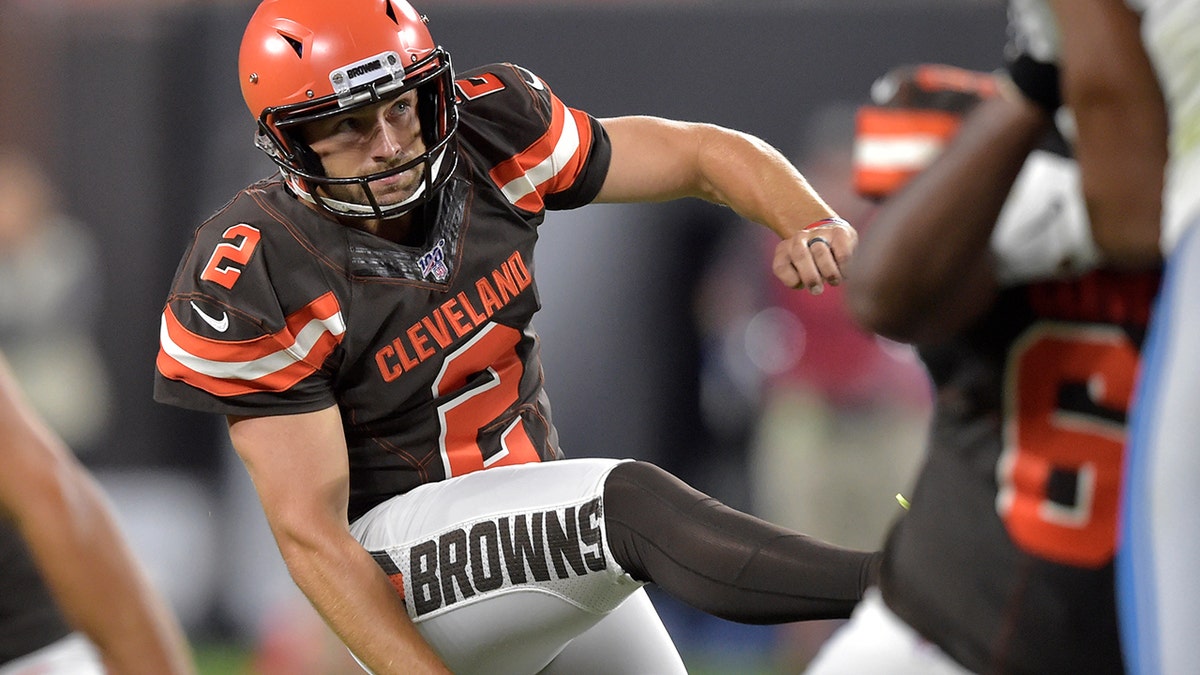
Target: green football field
[{"x": 227, "y": 660}]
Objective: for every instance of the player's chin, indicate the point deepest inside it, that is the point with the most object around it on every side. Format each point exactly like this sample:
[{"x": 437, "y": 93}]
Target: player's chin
[
  {"x": 395, "y": 189},
  {"x": 393, "y": 196},
  {"x": 394, "y": 192}
]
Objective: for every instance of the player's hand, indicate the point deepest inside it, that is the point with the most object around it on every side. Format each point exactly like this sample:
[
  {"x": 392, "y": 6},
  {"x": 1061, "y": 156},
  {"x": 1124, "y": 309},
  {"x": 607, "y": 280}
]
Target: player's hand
[{"x": 814, "y": 257}]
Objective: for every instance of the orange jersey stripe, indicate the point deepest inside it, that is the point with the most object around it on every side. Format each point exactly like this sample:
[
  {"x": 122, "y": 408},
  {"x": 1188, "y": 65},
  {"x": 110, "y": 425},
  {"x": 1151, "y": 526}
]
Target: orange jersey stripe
[
  {"x": 893, "y": 144},
  {"x": 873, "y": 121},
  {"x": 551, "y": 164},
  {"x": 273, "y": 362}
]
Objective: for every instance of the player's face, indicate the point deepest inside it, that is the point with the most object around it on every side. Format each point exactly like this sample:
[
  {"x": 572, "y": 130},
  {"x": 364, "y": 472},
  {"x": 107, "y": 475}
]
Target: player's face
[{"x": 369, "y": 140}]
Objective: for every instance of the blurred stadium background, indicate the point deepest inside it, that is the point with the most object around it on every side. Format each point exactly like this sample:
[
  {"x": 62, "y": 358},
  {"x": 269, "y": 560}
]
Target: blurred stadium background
[{"x": 769, "y": 401}]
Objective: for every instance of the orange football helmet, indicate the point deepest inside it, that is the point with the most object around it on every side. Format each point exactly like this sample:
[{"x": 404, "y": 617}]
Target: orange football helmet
[{"x": 304, "y": 60}]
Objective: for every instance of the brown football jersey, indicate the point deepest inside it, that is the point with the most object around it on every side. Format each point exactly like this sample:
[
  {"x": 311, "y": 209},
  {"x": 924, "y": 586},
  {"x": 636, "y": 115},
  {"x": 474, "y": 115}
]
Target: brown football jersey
[
  {"x": 1005, "y": 559},
  {"x": 427, "y": 350}
]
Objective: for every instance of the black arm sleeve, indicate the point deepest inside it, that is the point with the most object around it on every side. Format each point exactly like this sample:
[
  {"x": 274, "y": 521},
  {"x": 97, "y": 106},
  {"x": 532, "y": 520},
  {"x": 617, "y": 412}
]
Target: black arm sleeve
[
  {"x": 1038, "y": 81},
  {"x": 722, "y": 561}
]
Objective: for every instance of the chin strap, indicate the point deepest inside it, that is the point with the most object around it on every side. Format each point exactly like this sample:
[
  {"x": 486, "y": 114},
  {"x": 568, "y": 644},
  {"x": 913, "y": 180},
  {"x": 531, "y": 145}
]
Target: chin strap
[{"x": 365, "y": 210}]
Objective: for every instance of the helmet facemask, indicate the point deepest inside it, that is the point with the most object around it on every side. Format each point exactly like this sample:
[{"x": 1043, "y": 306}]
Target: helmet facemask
[{"x": 433, "y": 79}]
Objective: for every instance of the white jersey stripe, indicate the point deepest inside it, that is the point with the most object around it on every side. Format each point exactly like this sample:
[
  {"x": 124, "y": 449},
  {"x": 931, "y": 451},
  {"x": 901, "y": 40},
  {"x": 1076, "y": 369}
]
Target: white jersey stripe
[
  {"x": 261, "y": 367},
  {"x": 564, "y": 150},
  {"x": 912, "y": 151}
]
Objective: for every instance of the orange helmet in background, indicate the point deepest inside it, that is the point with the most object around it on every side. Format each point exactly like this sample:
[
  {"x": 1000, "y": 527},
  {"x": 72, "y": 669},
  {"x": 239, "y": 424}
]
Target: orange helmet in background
[{"x": 304, "y": 60}]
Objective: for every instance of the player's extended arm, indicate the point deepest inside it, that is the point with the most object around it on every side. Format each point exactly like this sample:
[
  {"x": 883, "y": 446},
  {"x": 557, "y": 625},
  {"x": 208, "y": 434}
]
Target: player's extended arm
[
  {"x": 654, "y": 159},
  {"x": 923, "y": 269},
  {"x": 299, "y": 468},
  {"x": 74, "y": 537},
  {"x": 1121, "y": 120}
]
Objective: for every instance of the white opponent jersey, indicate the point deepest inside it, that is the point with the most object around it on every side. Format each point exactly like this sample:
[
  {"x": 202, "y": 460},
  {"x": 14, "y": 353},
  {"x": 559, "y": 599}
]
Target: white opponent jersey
[{"x": 1171, "y": 34}]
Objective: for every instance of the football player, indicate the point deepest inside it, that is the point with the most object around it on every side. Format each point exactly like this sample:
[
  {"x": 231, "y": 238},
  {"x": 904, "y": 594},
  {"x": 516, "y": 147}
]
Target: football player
[
  {"x": 363, "y": 321},
  {"x": 73, "y": 599},
  {"x": 1005, "y": 561},
  {"x": 1159, "y": 598}
]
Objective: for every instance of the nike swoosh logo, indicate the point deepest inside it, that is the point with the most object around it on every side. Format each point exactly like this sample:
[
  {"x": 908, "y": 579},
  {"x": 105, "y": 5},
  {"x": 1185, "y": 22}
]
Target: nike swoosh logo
[{"x": 220, "y": 326}]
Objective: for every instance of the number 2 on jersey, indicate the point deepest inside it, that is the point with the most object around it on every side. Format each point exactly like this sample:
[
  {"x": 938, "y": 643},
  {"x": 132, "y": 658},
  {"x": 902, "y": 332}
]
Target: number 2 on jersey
[
  {"x": 1059, "y": 473},
  {"x": 235, "y": 249},
  {"x": 483, "y": 377}
]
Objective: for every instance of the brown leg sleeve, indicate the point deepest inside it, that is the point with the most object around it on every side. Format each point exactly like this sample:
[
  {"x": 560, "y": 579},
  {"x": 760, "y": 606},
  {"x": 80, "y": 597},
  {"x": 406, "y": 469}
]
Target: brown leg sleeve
[{"x": 722, "y": 561}]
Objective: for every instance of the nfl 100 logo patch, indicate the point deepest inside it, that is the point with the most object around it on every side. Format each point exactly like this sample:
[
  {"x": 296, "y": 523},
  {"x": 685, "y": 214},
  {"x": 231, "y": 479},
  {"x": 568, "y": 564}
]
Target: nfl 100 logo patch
[{"x": 433, "y": 263}]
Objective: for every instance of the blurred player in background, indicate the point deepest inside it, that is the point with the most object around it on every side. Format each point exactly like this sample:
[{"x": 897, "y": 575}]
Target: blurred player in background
[
  {"x": 51, "y": 292},
  {"x": 985, "y": 261},
  {"x": 364, "y": 322},
  {"x": 1158, "y": 591},
  {"x": 60, "y": 543}
]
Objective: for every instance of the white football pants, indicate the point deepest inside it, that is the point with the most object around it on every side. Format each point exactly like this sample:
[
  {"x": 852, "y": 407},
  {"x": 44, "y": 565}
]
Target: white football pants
[{"x": 508, "y": 570}]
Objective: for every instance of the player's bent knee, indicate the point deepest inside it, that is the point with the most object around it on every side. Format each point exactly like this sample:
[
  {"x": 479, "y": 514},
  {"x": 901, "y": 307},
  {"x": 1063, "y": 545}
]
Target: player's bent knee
[{"x": 643, "y": 503}]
